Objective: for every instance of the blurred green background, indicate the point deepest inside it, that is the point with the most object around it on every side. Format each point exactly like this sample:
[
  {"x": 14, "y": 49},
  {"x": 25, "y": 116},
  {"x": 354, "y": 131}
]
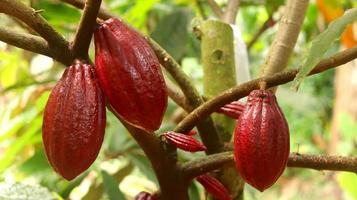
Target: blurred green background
[{"x": 313, "y": 113}]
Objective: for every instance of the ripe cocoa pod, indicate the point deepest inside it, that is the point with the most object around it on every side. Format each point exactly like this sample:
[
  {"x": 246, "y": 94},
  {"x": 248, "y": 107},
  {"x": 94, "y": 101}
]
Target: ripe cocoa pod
[
  {"x": 214, "y": 187},
  {"x": 184, "y": 142},
  {"x": 261, "y": 140},
  {"x": 74, "y": 121},
  {"x": 145, "y": 196},
  {"x": 129, "y": 74}
]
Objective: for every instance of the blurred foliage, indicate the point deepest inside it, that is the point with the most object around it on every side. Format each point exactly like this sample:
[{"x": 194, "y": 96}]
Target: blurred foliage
[{"x": 121, "y": 169}]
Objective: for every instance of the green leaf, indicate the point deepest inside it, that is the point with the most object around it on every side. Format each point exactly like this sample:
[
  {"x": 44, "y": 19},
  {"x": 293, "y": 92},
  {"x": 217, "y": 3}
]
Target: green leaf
[
  {"x": 21, "y": 191},
  {"x": 136, "y": 16},
  {"x": 322, "y": 42},
  {"x": 174, "y": 39},
  {"x": 142, "y": 162},
  {"x": 58, "y": 14},
  {"x": 111, "y": 187},
  {"x": 117, "y": 138},
  {"x": 348, "y": 182},
  {"x": 36, "y": 164},
  {"x": 20, "y": 143},
  {"x": 193, "y": 191},
  {"x": 273, "y": 5}
]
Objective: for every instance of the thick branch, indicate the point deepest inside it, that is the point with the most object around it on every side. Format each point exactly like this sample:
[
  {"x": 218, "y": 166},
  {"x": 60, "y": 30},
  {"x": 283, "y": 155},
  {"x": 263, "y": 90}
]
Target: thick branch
[
  {"x": 230, "y": 14},
  {"x": 286, "y": 37},
  {"x": 85, "y": 29},
  {"x": 199, "y": 166},
  {"x": 25, "y": 41},
  {"x": 244, "y": 89},
  {"x": 34, "y": 20},
  {"x": 215, "y": 8},
  {"x": 103, "y": 14}
]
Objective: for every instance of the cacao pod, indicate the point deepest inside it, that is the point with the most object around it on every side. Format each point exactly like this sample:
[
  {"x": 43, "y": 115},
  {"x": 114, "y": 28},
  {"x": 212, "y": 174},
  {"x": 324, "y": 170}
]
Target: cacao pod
[
  {"x": 261, "y": 140},
  {"x": 184, "y": 142},
  {"x": 232, "y": 110},
  {"x": 74, "y": 121},
  {"x": 214, "y": 187},
  {"x": 145, "y": 196},
  {"x": 129, "y": 74}
]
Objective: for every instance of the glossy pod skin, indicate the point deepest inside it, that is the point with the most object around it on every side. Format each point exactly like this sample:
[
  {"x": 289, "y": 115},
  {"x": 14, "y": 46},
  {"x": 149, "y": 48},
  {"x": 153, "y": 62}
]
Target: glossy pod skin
[
  {"x": 184, "y": 142},
  {"x": 130, "y": 76},
  {"x": 74, "y": 121},
  {"x": 214, "y": 187},
  {"x": 261, "y": 140}
]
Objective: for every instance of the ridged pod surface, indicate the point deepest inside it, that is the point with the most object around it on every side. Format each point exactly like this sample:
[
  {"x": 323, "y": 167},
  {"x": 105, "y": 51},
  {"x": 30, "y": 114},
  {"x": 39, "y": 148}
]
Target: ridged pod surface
[
  {"x": 184, "y": 142},
  {"x": 261, "y": 140},
  {"x": 74, "y": 121},
  {"x": 214, "y": 187},
  {"x": 130, "y": 75}
]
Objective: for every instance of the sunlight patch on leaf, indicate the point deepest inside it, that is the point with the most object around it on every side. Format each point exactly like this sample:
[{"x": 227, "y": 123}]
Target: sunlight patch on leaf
[{"x": 321, "y": 44}]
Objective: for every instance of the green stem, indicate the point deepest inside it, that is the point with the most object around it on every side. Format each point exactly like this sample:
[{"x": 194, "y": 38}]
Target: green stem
[{"x": 217, "y": 47}]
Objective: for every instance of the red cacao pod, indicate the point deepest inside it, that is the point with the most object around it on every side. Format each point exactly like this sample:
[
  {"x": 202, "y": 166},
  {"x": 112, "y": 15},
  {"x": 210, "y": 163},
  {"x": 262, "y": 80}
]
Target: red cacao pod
[
  {"x": 232, "y": 110},
  {"x": 129, "y": 74},
  {"x": 74, "y": 121},
  {"x": 145, "y": 196},
  {"x": 214, "y": 187},
  {"x": 184, "y": 142},
  {"x": 261, "y": 140}
]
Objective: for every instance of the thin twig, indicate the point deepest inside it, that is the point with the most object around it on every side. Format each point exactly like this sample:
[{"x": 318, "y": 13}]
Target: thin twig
[
  {"x": 200, "y": 166},
  {"x": 34, "y": 20},
  {"x": 176, "y": 95},
  {"x": 25, "y": 41},
  {"x": 215, "y": 8},
  {"x": 206, "y": 127},
  {"x": 244, "y": 89},
  {"x": 200, "y": 9},
  {"x": 85, "y": 29},
  {"x": 267, "y": 24},
  {"x": 230, "y": 14}
]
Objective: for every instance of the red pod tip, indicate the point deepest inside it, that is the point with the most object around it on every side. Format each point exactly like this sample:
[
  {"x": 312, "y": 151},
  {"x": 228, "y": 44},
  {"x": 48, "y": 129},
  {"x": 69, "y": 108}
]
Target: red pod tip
[
  {"x": 184, "y": 142},
  {"x": 214, "y": 187},
  {"x": 232, "y": 110}
]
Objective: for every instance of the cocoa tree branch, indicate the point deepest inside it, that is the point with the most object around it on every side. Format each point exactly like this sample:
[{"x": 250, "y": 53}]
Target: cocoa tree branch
[
  {"x": 230, "y": 14},
  {"x": 215, "y": 8},
  {"x": 176, "y": 94},
  {"x": 286, "y": 37},
  {"x": 200, "y": 166},
  {"x": 207, "y": 130},
  {"x": 103, "y": 14},
  {"x": 25, "y": 41},
  {"x": 34, "y": 20},
  {"x": 244, "y": 89},
  {"x": 85, "y": 29}
]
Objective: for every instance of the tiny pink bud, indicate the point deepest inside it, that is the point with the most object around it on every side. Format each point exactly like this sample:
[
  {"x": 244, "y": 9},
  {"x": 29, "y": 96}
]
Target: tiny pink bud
[
  {"x": 145, "y": 196},
  {"x": 214, "y": 187},
  {"x": 184, "y": 142}
]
